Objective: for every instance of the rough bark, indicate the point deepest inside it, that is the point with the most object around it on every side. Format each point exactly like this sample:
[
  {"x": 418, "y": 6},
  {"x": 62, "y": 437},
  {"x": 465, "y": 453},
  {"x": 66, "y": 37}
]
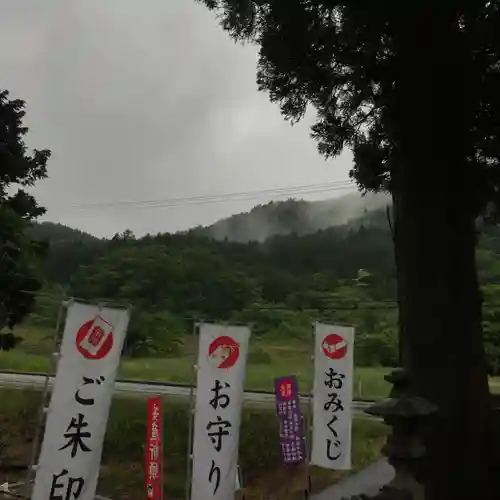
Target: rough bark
[
  {"x": 440, "y": 315},
  {"x": 434, "y": 236}
]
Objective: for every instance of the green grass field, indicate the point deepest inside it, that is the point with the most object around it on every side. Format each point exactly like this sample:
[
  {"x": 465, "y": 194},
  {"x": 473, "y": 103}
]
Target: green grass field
[
  {"x": 122, "y": 472},
  {"x": 266, "y": 361}
]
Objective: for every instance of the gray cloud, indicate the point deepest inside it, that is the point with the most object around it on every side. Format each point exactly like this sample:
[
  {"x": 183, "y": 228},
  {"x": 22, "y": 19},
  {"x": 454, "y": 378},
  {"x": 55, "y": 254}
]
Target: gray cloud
[{"x": 147, "y": 100}]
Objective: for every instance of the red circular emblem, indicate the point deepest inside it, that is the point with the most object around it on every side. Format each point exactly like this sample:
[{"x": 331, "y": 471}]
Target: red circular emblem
[
  {"x": 286, "y": 389},
  {"x": 94, "y": 339},
  {"x": 224, "y": 352},
  {"x": 334, "y": 346}
]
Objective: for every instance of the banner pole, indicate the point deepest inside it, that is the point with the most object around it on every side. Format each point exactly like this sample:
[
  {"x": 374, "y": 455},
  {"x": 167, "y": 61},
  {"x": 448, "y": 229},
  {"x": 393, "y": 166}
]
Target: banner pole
[
  {"x": 194, "y": 369},
  {"x": 55, "y": 354},
  {"x": 310, "y": 410}
]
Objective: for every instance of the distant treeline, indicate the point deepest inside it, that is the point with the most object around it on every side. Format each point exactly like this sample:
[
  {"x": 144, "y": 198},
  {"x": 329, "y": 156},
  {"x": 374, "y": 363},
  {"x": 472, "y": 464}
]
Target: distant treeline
[{"x": 343, "y": 274}]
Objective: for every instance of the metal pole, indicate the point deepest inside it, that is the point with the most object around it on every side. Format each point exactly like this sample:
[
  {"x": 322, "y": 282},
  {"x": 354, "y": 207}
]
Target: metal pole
[
  {"x": 43, "y": 407},
  {"x": 194, "y": 368},
  {"x": 308, "y": 446}
]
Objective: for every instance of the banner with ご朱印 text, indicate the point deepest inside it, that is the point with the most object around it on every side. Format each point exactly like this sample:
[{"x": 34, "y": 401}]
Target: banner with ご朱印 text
[{"x": 68, "y": 466}]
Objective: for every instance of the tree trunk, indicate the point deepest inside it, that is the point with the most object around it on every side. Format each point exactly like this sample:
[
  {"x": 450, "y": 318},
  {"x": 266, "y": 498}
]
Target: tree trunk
[
  {"x": 440, "y": 320},
  {"x": 434, "y": 238}
]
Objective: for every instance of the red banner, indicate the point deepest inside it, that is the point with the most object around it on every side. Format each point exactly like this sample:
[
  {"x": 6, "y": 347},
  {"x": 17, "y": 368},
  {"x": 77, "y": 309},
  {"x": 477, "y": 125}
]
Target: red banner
[{"x": 154, "y": 451}]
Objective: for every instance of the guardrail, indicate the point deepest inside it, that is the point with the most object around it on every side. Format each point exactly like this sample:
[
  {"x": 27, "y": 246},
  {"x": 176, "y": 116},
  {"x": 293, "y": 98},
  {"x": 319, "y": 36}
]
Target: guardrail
[{"x": 302, "y": 395}]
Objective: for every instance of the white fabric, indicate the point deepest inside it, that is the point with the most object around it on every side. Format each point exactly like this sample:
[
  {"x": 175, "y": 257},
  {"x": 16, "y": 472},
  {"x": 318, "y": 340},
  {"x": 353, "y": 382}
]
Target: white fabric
[
  {"x": 64, "y": 408},
  {"x": 338, "y": 455},
  {"x": 204, "y": 453}
]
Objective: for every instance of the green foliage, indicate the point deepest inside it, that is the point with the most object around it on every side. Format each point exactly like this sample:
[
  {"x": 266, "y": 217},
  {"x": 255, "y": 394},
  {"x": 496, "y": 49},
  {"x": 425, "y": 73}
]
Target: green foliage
[
  {"x": 47, "y": 306},
  {"x": 376, "y": 349},
  {"x": 56, "y": 233},
  {"x": 279, "y": 286},
  {"x": 344, "y": 58},
  {"x": 9, "y": 341},
  {"x": 154, "y": 333},
  {"x": 491, "y": 325},
  {"x": 420, "y": 114},
  {"x": 282, "y": 218},
  {"x": 344, "y": 274},
  {"x": 18, "y": 252}
]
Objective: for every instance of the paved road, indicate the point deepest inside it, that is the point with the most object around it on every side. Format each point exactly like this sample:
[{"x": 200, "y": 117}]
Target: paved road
[
  {"x": 136, "y": 388},
  {"x": 368, "y": 481}
]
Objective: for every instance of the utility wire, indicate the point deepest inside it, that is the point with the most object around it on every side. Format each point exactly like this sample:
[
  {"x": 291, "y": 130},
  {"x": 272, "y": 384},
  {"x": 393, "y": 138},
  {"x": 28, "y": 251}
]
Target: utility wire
[{"x": 225, "y": 197}]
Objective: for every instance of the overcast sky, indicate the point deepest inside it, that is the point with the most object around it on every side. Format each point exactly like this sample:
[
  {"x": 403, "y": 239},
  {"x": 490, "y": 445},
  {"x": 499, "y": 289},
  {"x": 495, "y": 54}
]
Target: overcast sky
[{"x": 148, "y": 100}]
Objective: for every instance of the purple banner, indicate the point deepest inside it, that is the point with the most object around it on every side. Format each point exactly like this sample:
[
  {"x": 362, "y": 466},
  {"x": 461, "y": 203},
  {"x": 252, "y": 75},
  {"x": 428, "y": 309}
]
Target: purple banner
[{"x": 289, "y": 415}]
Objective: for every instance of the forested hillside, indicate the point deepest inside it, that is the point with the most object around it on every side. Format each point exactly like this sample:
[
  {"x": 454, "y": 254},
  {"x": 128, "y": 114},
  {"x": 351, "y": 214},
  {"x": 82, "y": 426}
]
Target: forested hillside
[
  {"x": 58, "y": 233},
  {"x": 344, "y": 274},
  {"x": 292, "y": 217}
]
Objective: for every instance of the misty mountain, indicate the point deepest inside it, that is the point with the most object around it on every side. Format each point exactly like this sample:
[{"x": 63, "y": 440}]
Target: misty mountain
[
  {"x": 280, "y": 218},
  {"x": 277, "y": 218}
]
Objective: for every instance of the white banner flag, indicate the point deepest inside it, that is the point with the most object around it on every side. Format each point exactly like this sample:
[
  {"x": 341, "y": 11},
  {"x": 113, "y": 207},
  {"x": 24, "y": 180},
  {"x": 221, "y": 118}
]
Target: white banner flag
[
  {"x": 332, "y": 397},
  {"x": 68, "y": 466},
  {"x": 219, "y": 400}
]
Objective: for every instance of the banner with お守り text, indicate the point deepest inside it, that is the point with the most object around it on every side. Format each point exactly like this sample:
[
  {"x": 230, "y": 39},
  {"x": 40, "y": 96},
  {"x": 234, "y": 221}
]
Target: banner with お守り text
[{"x": 219, "y": 399}]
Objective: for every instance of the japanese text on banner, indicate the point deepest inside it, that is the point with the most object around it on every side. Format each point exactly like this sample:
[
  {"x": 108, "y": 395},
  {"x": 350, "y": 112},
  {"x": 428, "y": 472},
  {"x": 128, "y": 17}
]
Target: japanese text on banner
[
  {"x": 154, "y": 450},
  {"x": 219, "y": 398},
  {"x": 290, "y": 419},
  {"x": 76, "y": 424},
  {"x": 332, "y": 397}
]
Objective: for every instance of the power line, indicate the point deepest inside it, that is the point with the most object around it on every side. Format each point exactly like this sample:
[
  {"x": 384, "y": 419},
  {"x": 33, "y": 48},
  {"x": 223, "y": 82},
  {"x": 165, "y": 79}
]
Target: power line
[
  {"x": 283, "y": 190},
  {"x": 225, "y": 197}
]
